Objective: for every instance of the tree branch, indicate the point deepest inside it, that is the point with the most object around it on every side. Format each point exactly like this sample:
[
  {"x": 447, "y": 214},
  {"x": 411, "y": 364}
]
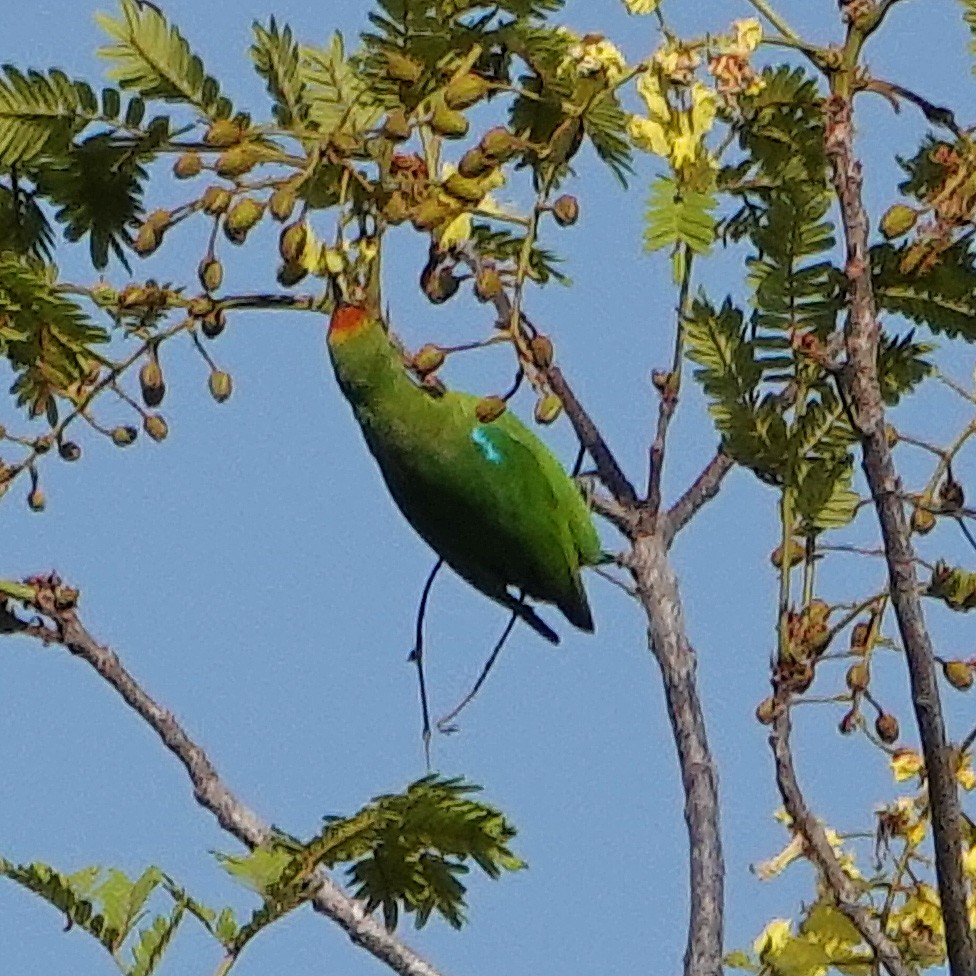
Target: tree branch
[
  {"x": 861, "y": 332},
  {"x": 208, "y": 788},
  {"x": 703, "y": 489},
  {"x": 658, "y": 589},
  {"x": 822, "y": 854}
]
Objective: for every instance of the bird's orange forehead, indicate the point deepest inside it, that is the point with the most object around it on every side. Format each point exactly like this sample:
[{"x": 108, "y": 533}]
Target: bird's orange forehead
[{"x": 345, "y": 320}]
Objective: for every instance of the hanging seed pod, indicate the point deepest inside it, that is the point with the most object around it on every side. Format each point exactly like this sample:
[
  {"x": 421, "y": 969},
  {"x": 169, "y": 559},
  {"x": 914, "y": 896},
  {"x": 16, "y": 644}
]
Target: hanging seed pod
[
  {"x": 462, "y": 188},
  {"x": 237, "y": 161},
  {"x": 290, "y": 274},
  {"x": 540, "y": 347},
  {"x": 428, "y": 359},
  {"x": 448, "y": 123},
  {"x": 490, "y": 408},
  {"x": 123, "y": 436},
  {"x": 959, "y": 674},
  {"x": 69, "y": 451},
  {"x": 951, "y": 495},
  {"x": 891, "y": 435},
  {"x": 213, "y": 324},
  {"x": 500, "y": 145},
  {"x": 154, "y": 425},
  {"x": 147, "y": 240},
  {"x": 858, "y": 677},
  {"x": 291, "y": 242},
  {"x": 215, "y": 200},
  {"x": 439, "y": 286},
  {"x": 898, "y": 219},
  {"x": 923, "y": 521},
  {"x": 860, "y": 633},
  {"x": 548, "y": 409},
  {"x": 475, "y": 164},
  {"x": 223, "y": 133},
  {"x": 241, "y": 218},
  {"x": 152, "y": 384},
  {"x": 796, "y": 554},
  {"x": 466, "y": 91},
  {"x": 565, "y": 210},
  {"x": 848, "y": 724},
  {"x": 402, "y": 68},
  {"x": 211, "y": 274},
  {"x": 282, "y": 203},
  {"x": 396, "y": 126},
  {"x": 221, "y": 385},
  {"x": 487, "y": 284},
  {"x": 766, "y": 711},
  {"x": 187, "y": 166},
  {"x": 396, "y": 209},
  {"x": 36, "y": 500},
  {"x": 886, "y": 726}
]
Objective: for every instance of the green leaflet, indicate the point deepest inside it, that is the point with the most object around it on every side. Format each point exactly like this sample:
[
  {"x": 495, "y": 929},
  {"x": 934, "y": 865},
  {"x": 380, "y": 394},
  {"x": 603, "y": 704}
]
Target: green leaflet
[
  {"x": 678, "y": 216},
  {"x": 338, "y": 97},
  {"x": 277, "y": 59},
  {"x": 153, "y": 58},
  {"x": 954, "y": 586}
]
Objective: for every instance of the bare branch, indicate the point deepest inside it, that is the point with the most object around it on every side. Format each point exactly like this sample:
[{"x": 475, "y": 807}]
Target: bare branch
[
  {"x": 822, "y": 854},
  {"x": 704, "y": 488},
  {"x": 208, "y": 788},
  {"x": 862, "y": 332},
  {"x": 658, "y": 589}
]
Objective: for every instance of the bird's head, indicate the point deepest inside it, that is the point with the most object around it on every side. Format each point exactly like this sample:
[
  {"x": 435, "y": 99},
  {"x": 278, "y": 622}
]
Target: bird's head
[{"x": 347, "y": 320}]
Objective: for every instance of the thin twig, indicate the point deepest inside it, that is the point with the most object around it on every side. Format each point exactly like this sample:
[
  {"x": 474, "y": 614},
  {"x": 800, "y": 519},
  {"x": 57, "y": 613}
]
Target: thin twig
[
  {"x": 703, "y": 489},
  {"x": 417, "y": 656}
]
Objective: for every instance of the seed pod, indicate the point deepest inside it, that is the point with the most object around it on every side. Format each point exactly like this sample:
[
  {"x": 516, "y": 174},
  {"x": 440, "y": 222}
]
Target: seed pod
[
  {"x": 898, "y": 219},
  {"x": 958, "y": 673},
  {"x": 566, "y": 210},
  {"x": 282, "y": 203},
  {"x": 859, "y": 638},
  {"x": 489, "y": 408},
  {"x": 291, "y": 242},
  {"x": 188, "y": 165},
  {"x": 290, "y": 274},
  {"x": 487, "y": 284},
  {"x": 951, "y": 495},
  {"x": 241, "y": 218},
  {"x": 448, "y": 123},
  {"x": 886, "y": 726},
  {"x": 923, "y": 521},
  {"x": 849, "y": 722},
  {"x": 796, "y": 555},
  {"x": 548, "y": 409},
  {"x": 237, "y": 161},
  {"x": 215, "y": 200},
  {"x": 396, "y": 126},
  {"x": 396, "y": 209},
  {"x": 69, "y": 451},
  {"x": 766, "y": 711},
  {"x": 474, "y": 164},
  {"x": 223, "y": 133},
  {"x": 211, "y": 274},
  {"x": 200, "y": 306},
  {"x": 428, "y": 359},
  {"x": 147, "y": 240},
  {"x": 154, "y": 425},
  {"x": 466, "y": 91},
  {"x": 858, "y": 677},
  {"x": 462, "y": 188},
  {"x": 221, "y": 385},
  {"x": 439, "y": 286},
  {"x": 37, "y": 500},
  {"x": 430, "y": 213},
  {"x": 541, "y": 348},
  {"x": 123, "y": 436},
  {"x": 213, "y": 324},
  {"x": 500, "y": 145},
  {"x": 45, "y": 442},
  {"x": 152, "y": 383},
  {"x": 400, "y": 67}
]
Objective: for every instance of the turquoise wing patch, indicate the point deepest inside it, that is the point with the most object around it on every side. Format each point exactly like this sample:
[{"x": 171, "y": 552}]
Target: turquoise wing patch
[{"x": 482, "y": 437}]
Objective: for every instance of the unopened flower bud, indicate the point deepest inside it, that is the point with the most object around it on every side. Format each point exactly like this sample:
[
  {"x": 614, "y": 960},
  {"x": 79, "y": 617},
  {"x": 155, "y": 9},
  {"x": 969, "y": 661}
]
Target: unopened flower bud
[{"x": 489, "y": 408}]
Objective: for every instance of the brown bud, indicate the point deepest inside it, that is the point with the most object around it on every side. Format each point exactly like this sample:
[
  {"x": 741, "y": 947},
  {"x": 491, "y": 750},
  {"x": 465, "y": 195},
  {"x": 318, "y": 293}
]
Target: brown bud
[
  {"x": 45, "y": 442},
  {"x": 396, "y": 209},
  {"x": 396, "y": 126},
  {"x": 241, "y": 218},
  {"x": 923, "y": 521},
  {"x": 448, "y": 123},
  {"x": 548, "y": 408},
  {"x": 282, "y": 203},
  {"x": 123, "y": 436},
  {"x": 290, "y": 274},
  {"x": 566, "y": 210},
  {"x": 859, "y": 638},
  {"x": 500, "y": 145},
  {"x": 152, "y": 383},
  {"x": 540, "y": 347},
  {"x": 237, "y": 161},
  {"x": 440, "y": 286},
  {"x": 69, "y": 451},
  {"x": 211, "y": 274},
  {"x": 147, "y": 240},
  {"x": 154, "y": 425},
  {"x": 487, "y": 284},
  {"x": 886, "y": 726},
  {"x": 474, "y": 164},
  {"x": 433, "y": 385},
  {"x": 428, "y": 359},
  {"x": 223, "y": 133},
  {"x": 462, "y": 188},
  {"x": 215, "y": 200},
  {"x": 951, "y": 495},
  {"x": 213, "y": 324},
  {"x": 187, "y": 166},
  {"x": 36, "y": 500},
  {"x": 958, "y": 673},
  {"x": 796, "y": 554},
  {"x": 858, "y": 677},
  {"x": 767, "y": 710},
  {"x": 849, "y": 722},
  {"x": 489, "y": 408},
  {"x": 291, "y": 242},
  {"x": 898, "y": 219},
  {"x": 400, "y": 67},
  {"x": 221, "y": 385},
  {"x": 466, "y": 91}
]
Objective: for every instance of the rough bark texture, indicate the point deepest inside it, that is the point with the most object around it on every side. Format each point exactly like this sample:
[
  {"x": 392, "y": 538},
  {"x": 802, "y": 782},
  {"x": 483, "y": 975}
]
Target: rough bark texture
[{"x": 862, "y": 332}]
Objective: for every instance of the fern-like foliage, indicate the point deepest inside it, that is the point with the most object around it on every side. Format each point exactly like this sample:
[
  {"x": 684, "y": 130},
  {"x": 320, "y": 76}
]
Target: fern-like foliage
[
  {"x": 40, "y": 113},
  {"x": 501, "y": 245},
  {"x": 277, "y": 59},
  {"x": 679, "y": 216},
  {"x": 407, "y": 853},
  {"x": 24, "y": 227},
  {"x": 46, "y": 337},
  {"x": 338, "y": 96},
  {"x": 153, "y": 58}
]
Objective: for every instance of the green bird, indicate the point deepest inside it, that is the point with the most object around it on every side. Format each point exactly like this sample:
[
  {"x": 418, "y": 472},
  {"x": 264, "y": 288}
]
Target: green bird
[{"x": 489, "y": 498}]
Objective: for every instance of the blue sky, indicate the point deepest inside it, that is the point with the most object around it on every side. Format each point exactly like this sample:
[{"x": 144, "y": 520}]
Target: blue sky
[{"x": 255, "y": 577}]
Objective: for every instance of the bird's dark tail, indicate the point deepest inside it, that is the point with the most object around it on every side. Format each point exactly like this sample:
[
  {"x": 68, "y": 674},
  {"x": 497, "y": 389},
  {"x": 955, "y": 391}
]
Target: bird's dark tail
[{"x": 524, "y": 612}]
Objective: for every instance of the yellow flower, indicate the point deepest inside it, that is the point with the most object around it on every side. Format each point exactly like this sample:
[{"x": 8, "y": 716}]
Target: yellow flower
[
  {"x": 964, "y": 773},
  {"x": 969, "y": 861},
  {"x": 773, "y": 937},
  {"x": 592, "y": 54},
  {"x": 748, "y": 34},
  {"x": 906, "y": 763},
  {"x": 780, "y": 862},
  {"x": 641, "y": 6}
]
